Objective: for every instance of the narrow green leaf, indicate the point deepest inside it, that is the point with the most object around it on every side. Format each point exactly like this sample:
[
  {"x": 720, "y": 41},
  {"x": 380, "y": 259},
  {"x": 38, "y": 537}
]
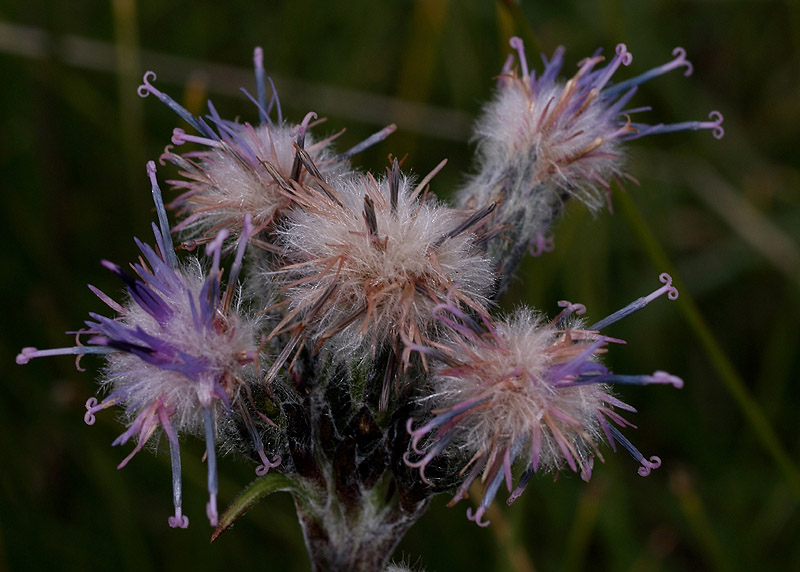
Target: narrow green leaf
[{"x": 249, "y": 497}]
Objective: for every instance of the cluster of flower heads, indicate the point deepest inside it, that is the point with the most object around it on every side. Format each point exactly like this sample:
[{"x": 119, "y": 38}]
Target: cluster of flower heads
[
  {"x": 529, "y": 389},
  {"x": 367, "y": 264}
]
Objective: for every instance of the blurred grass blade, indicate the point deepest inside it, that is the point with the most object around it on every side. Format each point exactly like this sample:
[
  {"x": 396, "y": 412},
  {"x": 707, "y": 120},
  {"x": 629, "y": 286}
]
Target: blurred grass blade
[
  {"x": 772, "y": 242},
  {"x": 515, "y": 555},
  {"x": 583, "y": 525},
  {"x": 129, "y": 73},
  {"x": 525, "y": 30},
  {"x": 695, "y": 512},
  {"x": 732, "y": 381}
]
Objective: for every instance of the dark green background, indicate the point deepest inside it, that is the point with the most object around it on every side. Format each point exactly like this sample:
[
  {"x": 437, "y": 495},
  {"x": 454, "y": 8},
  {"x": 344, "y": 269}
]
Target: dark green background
[{"x": 73, "y": 141}]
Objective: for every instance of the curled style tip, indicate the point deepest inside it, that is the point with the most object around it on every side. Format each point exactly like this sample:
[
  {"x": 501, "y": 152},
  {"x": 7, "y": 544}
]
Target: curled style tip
[
  {"x": 25, "y": 355},
  {"x": 301, "y": 130},
  {"x": 178, "y": 136},
  {"x": 147, "y": 87},
  {"x": 680, "y": 60},
  {"x": 626, "y": 58},
  {"x": 648, "y": 465},
  {"x": 666, "y": 279},
  {"x": 715, "y": 124},
  {"x": 165, "y": 155},
  {"x": 667, "y": 288},
  {"x": 91, "y": 409},
  {"x": 178, "y": 521},
  {"x": 622, "y": 57},
  {"x": 541, "y": 244},
  {"x": 578, "y": 309},
  {"x": 264, "y": 468},
  {"x": 477, "y": 516},
  {"x": 421, "y": 464},
  {"x": 569, "y": 309}
]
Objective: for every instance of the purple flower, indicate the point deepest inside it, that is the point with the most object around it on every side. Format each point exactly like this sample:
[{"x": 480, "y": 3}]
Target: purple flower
[
  {"x": 525, "y": 390},
  {"x": 369, "y": 260},
  {"x": 572, "y": 129},
  {"x": 543, "y": 140},
  {"x": 229, "y": 178},
  {"x": 177, "y": 353}
]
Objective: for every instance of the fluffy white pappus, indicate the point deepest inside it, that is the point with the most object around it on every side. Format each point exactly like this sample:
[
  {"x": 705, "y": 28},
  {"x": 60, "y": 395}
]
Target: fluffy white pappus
[
  {"x": 208, "y": 359},
  {"x": 536, "y": 136},
  {"x": 543, "y": 140},
  {"x": 369, "y": 262},
  {"x": 522, "y": 389},
  {"x": 549, "y": 133},
  {"x": 230, "y": 179},
  {"x": 521, "y": 406}
]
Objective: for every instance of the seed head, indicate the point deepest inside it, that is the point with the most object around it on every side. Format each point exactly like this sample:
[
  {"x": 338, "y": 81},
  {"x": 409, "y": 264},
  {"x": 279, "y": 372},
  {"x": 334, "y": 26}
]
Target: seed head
[
  {"x": 368, "y": 262},
  {"x": 543, "y": 140},
  {"x": 570, "y": 132},
  {"x": 525, "y": 389},
  {"x": 176, "y": 352},
  {"x": 228, "y": 178}
]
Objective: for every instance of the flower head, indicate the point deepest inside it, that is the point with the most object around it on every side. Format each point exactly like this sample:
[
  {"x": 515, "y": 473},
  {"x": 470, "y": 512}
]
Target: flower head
[
  {"x": 571, "y": 130},
  {"x": 175, "y": 353},
  {"x": 543, "y": 140},
  {"x": 526, "y": 389},
  {"x": 228, "y": 179},
  {"x": 367, "y": 262}
]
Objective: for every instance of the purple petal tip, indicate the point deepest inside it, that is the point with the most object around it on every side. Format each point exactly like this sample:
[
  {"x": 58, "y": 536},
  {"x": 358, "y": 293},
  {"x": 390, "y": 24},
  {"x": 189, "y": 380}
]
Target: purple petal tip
[
  {"x": 664, "y": 377},
  {"x": 211, "y": 513},
  {"x": 25, "y": 355}
]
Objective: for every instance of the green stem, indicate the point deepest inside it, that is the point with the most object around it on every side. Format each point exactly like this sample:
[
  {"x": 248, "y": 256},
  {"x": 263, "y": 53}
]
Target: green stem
[{"x": 353, "y": 538}]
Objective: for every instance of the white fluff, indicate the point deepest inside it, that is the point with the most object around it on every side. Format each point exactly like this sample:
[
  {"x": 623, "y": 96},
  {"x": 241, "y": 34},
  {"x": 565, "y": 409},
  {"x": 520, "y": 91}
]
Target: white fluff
[
  {"x": 522, "y": 403},
  {"x": 396, "y": 277},
  {"x": 221, "y": 187},
  {"x": 224, "y": 350}
]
